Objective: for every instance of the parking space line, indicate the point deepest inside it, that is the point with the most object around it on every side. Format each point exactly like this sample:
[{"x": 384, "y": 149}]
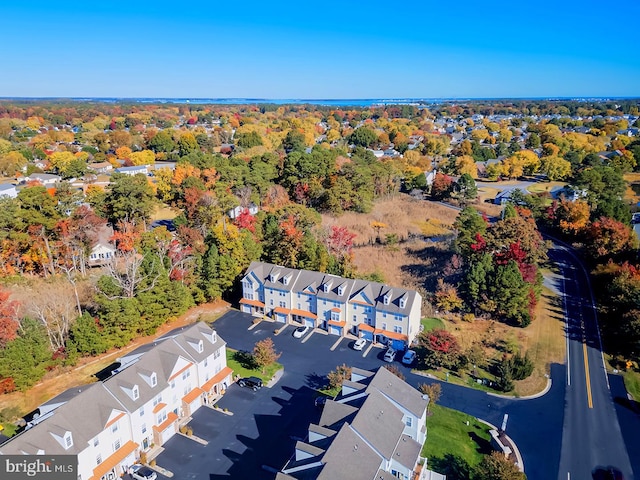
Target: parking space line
[
  {"x": 281, "y": 329},
  {"x": 308, "y": 336},
  {"x": 367, "y": 350},
  {"x": 337, "y": 342}
]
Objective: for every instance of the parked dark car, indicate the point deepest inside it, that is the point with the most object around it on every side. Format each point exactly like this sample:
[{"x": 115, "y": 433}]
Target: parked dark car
[
  {"x": 320, "y": 402},
  {"x": 253, "y": 383}
]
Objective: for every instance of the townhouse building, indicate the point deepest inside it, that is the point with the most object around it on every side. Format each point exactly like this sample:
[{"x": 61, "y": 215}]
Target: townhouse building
[
  {"x": 109, "y": 424},
  {"x": 377, "y": 312},
  {"x": 374, "y": 430}
]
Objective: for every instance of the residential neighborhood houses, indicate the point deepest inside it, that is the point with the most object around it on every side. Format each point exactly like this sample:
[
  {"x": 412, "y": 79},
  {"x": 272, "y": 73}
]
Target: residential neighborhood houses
[
  {"x": 110, "y": 424},
  {"x": 373, "y": 430},
  {"x": 374, "y": 311}
]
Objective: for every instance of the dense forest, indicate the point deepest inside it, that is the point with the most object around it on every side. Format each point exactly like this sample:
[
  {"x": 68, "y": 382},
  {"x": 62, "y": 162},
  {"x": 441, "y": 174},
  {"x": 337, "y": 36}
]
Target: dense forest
[{"x": 287, "y": 165}]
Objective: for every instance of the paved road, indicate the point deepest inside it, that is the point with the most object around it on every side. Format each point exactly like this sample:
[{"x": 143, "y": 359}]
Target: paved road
[
  {"x": 535, "y": 425},
  {"x": 558, "y": 433},
  {"x": 592, "y": 438}
]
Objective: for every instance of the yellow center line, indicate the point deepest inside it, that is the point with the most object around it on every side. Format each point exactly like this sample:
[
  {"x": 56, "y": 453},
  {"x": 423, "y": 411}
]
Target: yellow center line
[{"x": 586, "y": 371}]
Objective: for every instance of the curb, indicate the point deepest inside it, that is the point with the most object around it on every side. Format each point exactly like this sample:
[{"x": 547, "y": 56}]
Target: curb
[
  {"x": 528, "y": 397},
  {"x": 199, "y": 440},
  {"x": 516, "y": 451},
  {"x": 276, "y": 378},
  {"x": 162, "y": 471}
]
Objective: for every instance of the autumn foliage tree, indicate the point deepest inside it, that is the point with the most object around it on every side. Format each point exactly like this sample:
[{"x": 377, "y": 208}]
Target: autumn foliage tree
[
  {"x": 264, "y": 353},
  {"x": 439, "y": 348},
  {"x": 8, "y": 318}
]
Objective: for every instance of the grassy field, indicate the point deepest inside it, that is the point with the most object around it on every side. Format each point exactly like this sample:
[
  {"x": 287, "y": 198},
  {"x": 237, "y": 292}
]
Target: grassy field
[
  {"x": 431, "y": 323},
  {"x": 241, "y": 364},
  {"x": 418, "y": 263},
  {"x": 448, "y": 434},
  {"x": 632, "y": 382}
]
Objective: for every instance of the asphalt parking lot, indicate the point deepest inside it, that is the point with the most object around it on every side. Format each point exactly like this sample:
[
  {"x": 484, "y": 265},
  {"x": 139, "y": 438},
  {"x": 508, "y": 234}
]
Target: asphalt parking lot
[{"x": 260, "y": 436}]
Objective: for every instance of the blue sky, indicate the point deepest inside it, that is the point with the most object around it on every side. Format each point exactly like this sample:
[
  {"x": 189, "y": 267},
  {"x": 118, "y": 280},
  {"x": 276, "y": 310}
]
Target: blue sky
[{"x": 328, "y": 49}]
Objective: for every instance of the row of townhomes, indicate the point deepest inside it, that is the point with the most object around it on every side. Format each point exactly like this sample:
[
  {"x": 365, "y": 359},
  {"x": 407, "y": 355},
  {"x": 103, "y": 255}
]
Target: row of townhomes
[
  {"x": 108, "y": 424},
  {"x": 374, "y": 430},
  {"x": 377, "y": 312}
]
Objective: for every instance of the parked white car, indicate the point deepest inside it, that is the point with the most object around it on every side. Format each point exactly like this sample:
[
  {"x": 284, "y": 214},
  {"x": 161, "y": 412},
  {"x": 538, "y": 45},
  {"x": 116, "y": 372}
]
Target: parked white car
[
  {"x": 390, "y": 355},
  {"x": 300, "y": 332},
  {"x": 359, "y": 344},
  {"x": 140, "y": 472}
]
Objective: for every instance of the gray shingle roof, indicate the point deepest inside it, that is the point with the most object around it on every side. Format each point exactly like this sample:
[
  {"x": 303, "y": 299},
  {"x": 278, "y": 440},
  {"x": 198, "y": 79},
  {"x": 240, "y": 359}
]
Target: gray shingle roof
[
  {"x": 407, "y": 451},
  {"x": 92, "y": 410},
  {"x": 349, "y": 457},
  {"x": 335, "y": 413},
  {"x": 398, "y": 391},
  {"x": 380, "y": 422}
]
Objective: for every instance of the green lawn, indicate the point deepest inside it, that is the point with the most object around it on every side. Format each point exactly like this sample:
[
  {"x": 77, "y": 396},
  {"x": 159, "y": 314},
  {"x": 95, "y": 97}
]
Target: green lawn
[
  {"x": 632, "y": 382},
  {"x": 431, "y": 323},
  {"x": 448, "y": 436},
  {"x": 240, "y": 363}
]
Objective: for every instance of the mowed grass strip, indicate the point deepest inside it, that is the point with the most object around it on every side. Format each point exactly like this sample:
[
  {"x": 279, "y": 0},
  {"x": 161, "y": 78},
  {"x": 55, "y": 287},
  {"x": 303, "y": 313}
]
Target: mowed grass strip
[
  {"x": 544, "y": 341},
  {"x": 431, "y": 323},
  {"x": 632, "y": 383},
  {"x": 449, "y": 434}
]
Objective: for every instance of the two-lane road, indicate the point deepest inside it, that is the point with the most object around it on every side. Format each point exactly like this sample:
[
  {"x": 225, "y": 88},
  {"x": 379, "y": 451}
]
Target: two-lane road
[{"x": 591, "y": 438}]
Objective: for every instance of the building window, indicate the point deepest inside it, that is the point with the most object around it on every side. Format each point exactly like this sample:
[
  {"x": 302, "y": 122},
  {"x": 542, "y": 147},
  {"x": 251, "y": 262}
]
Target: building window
[
  {"x": 200, "y": 347},
  {"x": 206, "y": 362},
  {"x": 186, "y": 389},
  {"x": 68, "y": 441},
  {"x": 216, "y": 354},
  {"x": 114, "y": 427},
  {"x": 116, "y": 445},
  {"x": 335, "y": 316},
  {"x": 355, "y": 318},
  {"x": 98, "y": 459},
  {"x": 271, "y": 302},
  {"x": 142, "y": 411},
  {"x": 96, "y": 442},
  {"x": 186, "y": 374},
  {"x": 387, "y": 299},
  {"x": 397, "y": 329},
  {"x": 173, "y": 384},
  {"x": 144, "y": 428},
  {"x": 154, "y": 379},
  {"x": 403, "y": 303},
  {"x": 340, "y": 290},
  {"x": 162, "y": 416},
  {"x": 248, "y": 295},
  {"x": 283, "y": 304},
  {"x": 157, "y": 400},
  {"x": 384, "y": 326},
  {"x": 136, "y": 392},
  {"x": 384, "y": 315}
]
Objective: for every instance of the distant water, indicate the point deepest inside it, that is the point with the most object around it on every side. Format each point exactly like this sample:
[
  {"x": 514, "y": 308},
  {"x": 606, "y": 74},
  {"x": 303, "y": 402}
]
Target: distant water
[{"x": 329, "y": 102}]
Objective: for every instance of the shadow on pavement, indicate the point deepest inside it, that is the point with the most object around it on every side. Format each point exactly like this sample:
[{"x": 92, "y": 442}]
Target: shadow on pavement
[{"x": 275, "y": 442}]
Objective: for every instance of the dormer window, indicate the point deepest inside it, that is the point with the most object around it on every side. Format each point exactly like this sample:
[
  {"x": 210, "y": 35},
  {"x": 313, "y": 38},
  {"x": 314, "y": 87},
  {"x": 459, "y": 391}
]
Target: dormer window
[
  {"x": 200, "y": 346},
  {"x": 403, "y": 302},
  {"x": 387, "y": 299},
  {"x": 286, "y": 279},
  {"x": 68, "y": 440},
  {"x": 326, "y": 287},
  {"x": 154, "y": 379},
  {"x": 341, "y": 290},
  {"x": 135, "y": 392},
  {"x": 214, "y": 337}
]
